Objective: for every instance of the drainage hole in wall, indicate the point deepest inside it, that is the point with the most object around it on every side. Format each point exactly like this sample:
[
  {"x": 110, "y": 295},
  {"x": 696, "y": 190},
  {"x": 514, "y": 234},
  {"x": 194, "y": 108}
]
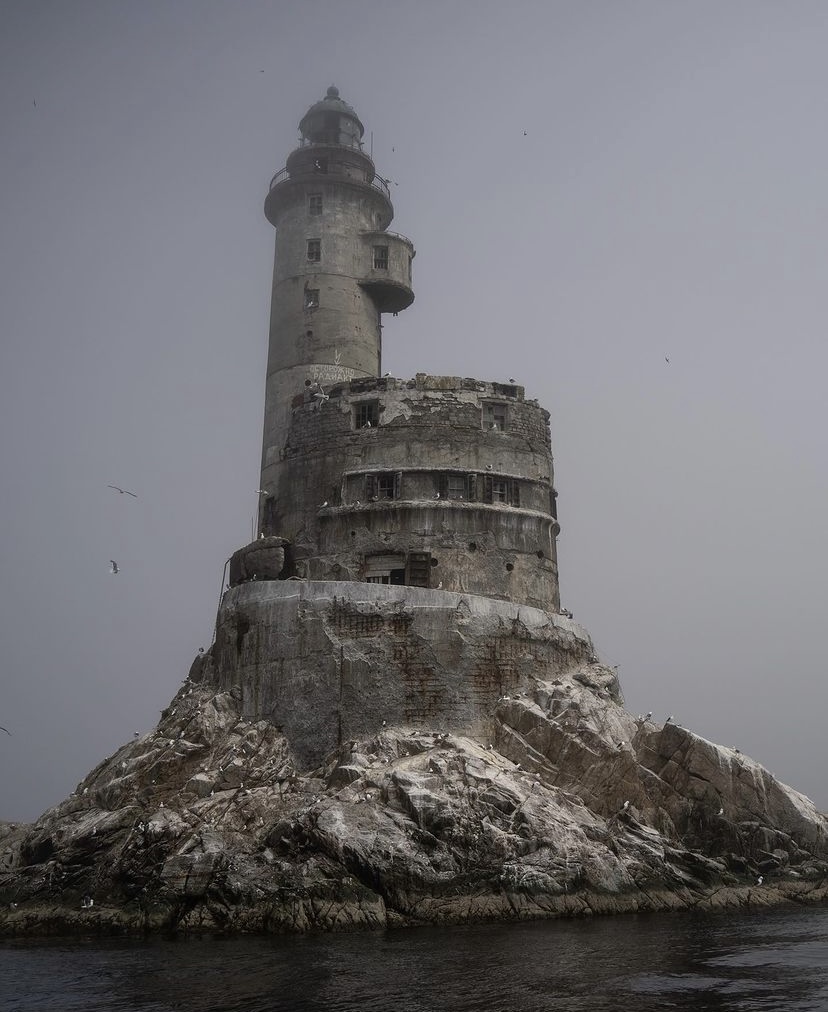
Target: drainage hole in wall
[
  {"x": 539, "y": 553},
  {"x": 509, "y": 567},
  {"x": 434, "y": 562},
  {"x": 472, "y": 546},
  {"x": 308, "y": 333},
  {"x": 353, "y": 534}
]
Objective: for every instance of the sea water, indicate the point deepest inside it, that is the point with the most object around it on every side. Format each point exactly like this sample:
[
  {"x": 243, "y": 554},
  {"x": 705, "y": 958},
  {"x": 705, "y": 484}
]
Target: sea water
[{"x": 770, "y": 959}]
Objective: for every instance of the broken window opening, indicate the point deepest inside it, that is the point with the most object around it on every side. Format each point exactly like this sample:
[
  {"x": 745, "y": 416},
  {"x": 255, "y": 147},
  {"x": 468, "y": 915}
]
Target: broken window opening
[
  {"x": 456, "y": 486},
  {"x": 311, "y": 298},
  {"x": 314, "y": 204},
  {"x": 385, "y": 569},
  {"x": 494, "y": 416},
  {"x": 366, "y": 415},
  {"x": 314, "y": 250},
  {"x": 500, "y": 490},
  {"x": 505, "y": 491}
]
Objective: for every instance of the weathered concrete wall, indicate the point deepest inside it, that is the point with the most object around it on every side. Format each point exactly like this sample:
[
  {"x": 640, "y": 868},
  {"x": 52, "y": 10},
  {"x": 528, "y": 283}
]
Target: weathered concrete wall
[
  {"x": 495, "y": 551},
  {"x": 336, "y": 334},
  {"x": 327, "y": 662},
  {"x": 328, "y": 501}
]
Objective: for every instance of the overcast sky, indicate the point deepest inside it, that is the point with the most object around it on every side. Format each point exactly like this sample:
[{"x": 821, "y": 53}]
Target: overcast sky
[{"x": 592, "y": 187}]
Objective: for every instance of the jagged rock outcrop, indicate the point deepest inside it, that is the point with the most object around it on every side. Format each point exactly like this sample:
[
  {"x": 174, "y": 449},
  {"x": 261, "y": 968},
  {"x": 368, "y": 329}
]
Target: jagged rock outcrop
[{"x": 572, "y": 806}]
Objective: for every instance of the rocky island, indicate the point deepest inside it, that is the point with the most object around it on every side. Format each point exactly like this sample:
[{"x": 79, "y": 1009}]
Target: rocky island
[{"x": 396, "y": 722}]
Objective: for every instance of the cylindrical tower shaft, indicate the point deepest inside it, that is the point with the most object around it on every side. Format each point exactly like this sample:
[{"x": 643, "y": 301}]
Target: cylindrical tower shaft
[{"x": 336, "y": 270}]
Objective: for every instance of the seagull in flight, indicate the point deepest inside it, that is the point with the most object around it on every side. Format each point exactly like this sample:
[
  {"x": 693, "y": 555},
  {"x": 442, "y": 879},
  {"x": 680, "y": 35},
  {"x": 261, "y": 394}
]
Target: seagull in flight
[
  {"x": 113, "y": 566},
  {"x": 667, "y": 360},
  {"x": 8, "y": 732},
  {"x": 123, "y": 491}
]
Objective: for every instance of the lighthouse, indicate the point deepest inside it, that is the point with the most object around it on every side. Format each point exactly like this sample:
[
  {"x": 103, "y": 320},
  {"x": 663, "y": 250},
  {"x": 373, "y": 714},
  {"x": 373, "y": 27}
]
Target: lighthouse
[
  {"x": 404, "y": 569},
  {"x": 336, "y": 270},
  {"x": 442, "y": 483}
]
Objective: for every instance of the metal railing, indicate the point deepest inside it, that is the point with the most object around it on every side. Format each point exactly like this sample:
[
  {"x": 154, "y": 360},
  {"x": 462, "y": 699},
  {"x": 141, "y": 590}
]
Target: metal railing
[{"x": 377, "y": 183}]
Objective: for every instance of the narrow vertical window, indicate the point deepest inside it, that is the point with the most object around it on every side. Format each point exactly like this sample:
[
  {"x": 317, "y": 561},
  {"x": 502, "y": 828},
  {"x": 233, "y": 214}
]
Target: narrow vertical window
[
  {"x": 366, "y": 415},
  {"x": 500, "y": 490},
  {"x": 419, "y": 569},
  {"x": 314, "y": 250},
  {"x": 456, "y": 486},
  {"x": 381, "y": 258},
  {"x": 311, "y": 298},
  {"x": 386, "y": 486},
  {"x": 314, "y": 204}
]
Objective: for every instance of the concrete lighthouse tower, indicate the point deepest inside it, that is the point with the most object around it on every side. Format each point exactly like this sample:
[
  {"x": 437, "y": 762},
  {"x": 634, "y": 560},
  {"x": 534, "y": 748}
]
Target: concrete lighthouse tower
[
  {"x": 439, "y": 482},
  {"x": 336, "y": 271},
  {"x": 405, "y": 566}
]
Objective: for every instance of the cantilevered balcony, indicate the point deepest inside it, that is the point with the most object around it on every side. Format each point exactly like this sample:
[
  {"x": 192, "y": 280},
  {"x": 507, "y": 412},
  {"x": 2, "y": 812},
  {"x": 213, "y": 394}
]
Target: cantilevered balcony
[{"x": 387, "y": 276}]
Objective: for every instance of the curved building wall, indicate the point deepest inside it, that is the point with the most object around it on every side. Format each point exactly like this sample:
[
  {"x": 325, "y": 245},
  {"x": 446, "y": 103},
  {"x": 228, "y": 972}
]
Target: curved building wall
[
  {"x": 323, "y": 323},
  {"x": 438, "y": 481}
]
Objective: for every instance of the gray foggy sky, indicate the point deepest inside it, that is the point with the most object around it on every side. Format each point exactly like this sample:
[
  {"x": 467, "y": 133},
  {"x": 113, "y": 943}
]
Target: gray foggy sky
[{"x": 668, "y": 199}]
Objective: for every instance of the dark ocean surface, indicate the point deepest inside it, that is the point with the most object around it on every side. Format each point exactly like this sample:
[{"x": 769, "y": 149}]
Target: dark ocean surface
[{"x": 775, "y": 959}]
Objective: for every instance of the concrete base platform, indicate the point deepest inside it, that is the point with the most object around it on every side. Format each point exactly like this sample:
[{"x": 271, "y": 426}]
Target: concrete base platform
[{"x": 326, "y": 662}]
